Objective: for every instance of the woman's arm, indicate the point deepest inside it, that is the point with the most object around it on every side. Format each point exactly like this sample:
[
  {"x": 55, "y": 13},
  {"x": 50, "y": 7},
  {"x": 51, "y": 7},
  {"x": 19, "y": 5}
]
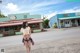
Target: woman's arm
[{"x": 29, "y": 30}]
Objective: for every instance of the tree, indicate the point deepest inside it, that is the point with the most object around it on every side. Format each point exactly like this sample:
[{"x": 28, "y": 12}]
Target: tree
[
  {"x": 46, "y": 23},
  {"x": 1, "y": 15}
]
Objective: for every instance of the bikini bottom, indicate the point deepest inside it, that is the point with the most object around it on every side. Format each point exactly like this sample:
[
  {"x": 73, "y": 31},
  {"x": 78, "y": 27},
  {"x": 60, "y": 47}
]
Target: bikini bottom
[{"x": 27, "y": 40}]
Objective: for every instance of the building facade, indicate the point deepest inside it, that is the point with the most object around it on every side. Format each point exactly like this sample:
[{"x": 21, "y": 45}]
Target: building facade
[
  {"x": 13, "y": 23},
  {"x": 65, "y": 20}
]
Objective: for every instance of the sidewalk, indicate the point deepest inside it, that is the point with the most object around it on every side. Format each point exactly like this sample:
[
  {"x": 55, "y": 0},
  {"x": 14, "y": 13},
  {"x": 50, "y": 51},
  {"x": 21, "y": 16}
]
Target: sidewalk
[{"x": 70, "y": 45}]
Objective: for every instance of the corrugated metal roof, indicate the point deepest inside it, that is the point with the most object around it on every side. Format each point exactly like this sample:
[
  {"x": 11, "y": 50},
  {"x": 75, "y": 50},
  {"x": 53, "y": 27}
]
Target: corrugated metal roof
[
  {"x": 10, "y": 24},
  {"x": 19, "y": 22}
]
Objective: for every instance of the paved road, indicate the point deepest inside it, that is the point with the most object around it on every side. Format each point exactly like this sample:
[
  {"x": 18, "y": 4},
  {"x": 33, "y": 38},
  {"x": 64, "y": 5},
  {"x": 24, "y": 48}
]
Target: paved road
[
  {"x": 51, "y": 34},
  {"x": 69, "y": 45}
]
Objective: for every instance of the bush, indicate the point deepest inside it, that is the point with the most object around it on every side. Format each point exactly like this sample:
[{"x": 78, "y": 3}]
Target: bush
[
  {"x": 1, "y": 15},
  {"x": 55, "y": 25}
]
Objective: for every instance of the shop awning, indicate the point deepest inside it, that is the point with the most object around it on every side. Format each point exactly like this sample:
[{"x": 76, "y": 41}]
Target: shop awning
[
  {"x": 19, "y": 22},
  {"x": 76, "y": 17},
  {"x": 9, "y": 24},
  {"x": 35, "y": 21}
]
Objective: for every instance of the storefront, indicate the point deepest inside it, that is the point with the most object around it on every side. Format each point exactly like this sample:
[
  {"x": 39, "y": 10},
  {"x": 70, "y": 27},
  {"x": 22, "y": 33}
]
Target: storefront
[
  {"x": 69, "y": 22},
  {"x": 13, "y": 26},
  {"x": 65, "y": 20}
]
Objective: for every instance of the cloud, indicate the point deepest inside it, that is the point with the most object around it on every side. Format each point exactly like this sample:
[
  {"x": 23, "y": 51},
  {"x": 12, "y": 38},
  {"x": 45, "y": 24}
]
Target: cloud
[
  {"x": 30, "y": 7},
  {"x": 12, "y": 7},
  {"x": 51, "y": 15},
  {"x": 75, "y": 9},
  {"x": 71, "y": 10},
  {"x": 43, "y": 4}
]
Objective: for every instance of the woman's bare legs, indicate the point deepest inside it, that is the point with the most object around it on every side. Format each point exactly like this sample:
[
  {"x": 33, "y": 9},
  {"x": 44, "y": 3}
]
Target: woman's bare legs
[{"x": 28, "y": 46}]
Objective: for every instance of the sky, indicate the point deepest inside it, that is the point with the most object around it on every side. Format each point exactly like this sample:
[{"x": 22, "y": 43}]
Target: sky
[{"x": 42, "y": 7}]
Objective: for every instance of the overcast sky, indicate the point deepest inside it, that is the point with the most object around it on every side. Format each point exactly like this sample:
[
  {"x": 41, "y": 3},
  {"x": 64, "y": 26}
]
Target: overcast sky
[{"x": 43, "y": 7}]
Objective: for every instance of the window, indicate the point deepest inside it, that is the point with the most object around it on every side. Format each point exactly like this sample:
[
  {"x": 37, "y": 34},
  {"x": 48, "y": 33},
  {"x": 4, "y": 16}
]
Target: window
[
  {"x": 6, "y": 28},
  {"x": 35, "y": 26},
  {"x": 65, "y": 22}
]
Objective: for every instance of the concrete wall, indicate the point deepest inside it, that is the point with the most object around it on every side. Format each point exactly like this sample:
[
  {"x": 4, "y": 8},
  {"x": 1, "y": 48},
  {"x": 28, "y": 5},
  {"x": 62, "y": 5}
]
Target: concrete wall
[
  {"x": 24, "y": 16},
  {"x": 19, "y": 16},
  {"x": 34, "y": 16},
  {"x": 4, "y": 19},
  {"x": 78, "y": 14}
]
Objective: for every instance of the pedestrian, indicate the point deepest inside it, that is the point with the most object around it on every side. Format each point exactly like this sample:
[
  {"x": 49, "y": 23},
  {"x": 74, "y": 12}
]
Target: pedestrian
[{"x": 27, "y": 40}]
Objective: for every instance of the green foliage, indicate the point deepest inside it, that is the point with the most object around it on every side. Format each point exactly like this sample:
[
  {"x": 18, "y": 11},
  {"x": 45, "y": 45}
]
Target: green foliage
[
  {"x": 1, "y": 15},
  {"x": 55, "y": 25},
  {"x": 46, "y": 23}
]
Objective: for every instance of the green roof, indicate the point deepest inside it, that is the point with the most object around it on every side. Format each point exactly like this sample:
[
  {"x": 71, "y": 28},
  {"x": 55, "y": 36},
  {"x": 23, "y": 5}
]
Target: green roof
[
  {"x": 69, "y": 17},
  {"x": 4, "y": 19}
]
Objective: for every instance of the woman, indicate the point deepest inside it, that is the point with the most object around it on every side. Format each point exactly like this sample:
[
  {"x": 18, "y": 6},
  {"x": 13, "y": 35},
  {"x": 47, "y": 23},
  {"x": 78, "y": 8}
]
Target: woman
[{"x": 27, "y": 40}]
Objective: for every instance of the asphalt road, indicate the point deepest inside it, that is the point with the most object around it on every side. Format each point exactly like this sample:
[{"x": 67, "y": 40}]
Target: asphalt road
[{"x": 50, "y": 34}]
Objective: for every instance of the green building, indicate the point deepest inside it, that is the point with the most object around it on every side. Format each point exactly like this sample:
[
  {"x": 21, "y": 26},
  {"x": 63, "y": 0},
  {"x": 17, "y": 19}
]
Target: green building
[{"x": 12, "y": 23}]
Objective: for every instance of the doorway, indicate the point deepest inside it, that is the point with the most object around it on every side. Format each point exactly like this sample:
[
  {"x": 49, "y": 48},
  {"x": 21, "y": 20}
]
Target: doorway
[
  {"x": 73, "y": 23},
  {"x": 67, "y": 23},
  {"x": 78, "y": 22}
]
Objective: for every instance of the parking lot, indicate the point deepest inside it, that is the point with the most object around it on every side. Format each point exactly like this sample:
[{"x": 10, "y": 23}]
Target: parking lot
[{"x": 51, "y": 35}]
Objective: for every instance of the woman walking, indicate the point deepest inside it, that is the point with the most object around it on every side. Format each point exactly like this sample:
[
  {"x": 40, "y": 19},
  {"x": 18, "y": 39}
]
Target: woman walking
[{"x": 27, "y": 40}]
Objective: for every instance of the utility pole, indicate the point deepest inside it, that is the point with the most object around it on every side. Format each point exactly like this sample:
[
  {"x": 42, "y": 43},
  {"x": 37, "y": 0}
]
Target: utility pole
[{"x": 0, "y": 5}]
